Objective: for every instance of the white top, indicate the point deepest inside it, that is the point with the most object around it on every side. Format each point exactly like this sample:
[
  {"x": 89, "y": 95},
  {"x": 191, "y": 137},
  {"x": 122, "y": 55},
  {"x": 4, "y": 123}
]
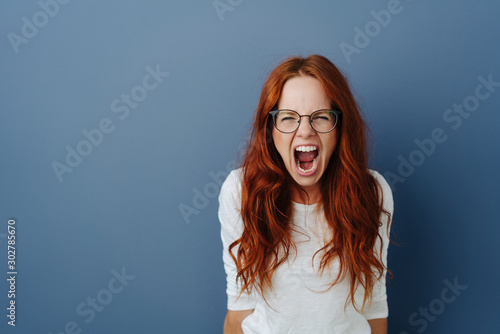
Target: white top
[{"x": 299, "y": 302}]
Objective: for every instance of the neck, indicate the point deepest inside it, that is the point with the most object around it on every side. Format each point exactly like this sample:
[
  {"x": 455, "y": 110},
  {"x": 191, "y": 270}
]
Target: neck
[{"x": 313, "y": 195}]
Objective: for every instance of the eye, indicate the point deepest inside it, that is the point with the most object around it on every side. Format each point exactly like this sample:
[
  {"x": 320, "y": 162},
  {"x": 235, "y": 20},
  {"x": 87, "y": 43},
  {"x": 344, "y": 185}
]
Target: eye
[
  {"x": 322, "y": 116},
  {"x": 287, "y": 116}
]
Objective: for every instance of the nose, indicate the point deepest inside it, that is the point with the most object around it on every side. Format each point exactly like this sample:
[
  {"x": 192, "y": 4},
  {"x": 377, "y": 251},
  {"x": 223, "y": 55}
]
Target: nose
[{"x": 305, "y": 128}]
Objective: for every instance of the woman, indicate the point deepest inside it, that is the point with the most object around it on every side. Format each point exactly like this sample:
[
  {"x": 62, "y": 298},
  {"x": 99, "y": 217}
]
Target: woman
[{"x": 304, "y": 222}]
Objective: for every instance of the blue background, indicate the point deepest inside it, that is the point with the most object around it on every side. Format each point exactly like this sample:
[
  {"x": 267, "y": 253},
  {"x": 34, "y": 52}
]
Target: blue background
[{"x": 121, "y": 207}]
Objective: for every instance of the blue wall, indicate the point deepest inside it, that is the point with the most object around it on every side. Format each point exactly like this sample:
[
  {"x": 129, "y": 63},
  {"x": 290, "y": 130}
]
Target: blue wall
[{"x": 119, "y": 120}]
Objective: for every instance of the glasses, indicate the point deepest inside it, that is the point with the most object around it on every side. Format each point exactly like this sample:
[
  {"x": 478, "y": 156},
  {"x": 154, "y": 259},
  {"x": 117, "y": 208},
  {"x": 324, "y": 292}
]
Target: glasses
[{"x": 288, "y": 121}]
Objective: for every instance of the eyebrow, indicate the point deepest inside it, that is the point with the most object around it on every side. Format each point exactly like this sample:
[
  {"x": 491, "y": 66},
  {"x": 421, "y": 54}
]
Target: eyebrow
[{"x": 311, "y": 111}]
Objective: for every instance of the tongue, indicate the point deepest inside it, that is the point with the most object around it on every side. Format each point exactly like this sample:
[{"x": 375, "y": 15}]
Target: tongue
[
  {"x": 306, "y": 156},
  {"x": 306, "y": 159},
  {"x": 306, "y": 165}
]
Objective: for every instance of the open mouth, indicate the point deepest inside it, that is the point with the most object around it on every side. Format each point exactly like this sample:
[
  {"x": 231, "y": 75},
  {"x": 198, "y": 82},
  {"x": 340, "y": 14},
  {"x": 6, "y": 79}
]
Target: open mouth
[{"x": 306, "y": 159}]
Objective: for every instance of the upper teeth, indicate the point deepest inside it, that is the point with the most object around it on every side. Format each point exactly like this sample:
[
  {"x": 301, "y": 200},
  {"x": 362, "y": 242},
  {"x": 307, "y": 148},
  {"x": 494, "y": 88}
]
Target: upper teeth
[{"x": 306, "y": 148}]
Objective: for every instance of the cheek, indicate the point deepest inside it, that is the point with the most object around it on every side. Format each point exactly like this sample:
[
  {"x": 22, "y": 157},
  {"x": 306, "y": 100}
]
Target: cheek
[
  {"x": 331, "y": 143},
  {"x": 281, "y": 143}
]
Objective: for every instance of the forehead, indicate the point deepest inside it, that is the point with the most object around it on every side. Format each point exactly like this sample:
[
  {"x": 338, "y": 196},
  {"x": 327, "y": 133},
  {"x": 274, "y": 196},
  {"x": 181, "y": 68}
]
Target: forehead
[{"x": 303, "y": 94}]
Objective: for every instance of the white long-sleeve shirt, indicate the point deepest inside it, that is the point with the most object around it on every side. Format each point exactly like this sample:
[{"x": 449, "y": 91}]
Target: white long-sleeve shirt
[{"x": 298, "y": 302}]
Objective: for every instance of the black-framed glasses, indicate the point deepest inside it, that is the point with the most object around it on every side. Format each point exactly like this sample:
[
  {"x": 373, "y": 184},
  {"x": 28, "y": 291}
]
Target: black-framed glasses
[{"x": 288, "y": 121}]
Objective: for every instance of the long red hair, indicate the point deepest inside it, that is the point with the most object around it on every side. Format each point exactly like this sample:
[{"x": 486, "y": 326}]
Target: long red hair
[{"x": 350, "y": 194}]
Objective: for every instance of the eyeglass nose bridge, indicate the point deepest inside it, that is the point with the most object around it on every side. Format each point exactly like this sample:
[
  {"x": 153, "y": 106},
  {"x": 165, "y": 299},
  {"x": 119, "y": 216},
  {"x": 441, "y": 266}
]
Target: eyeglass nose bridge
[{"x": 300, "y": 121}]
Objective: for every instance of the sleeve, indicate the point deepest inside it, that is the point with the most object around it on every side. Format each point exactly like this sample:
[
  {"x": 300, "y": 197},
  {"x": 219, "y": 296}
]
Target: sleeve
[
  {"x": 231, "y": 230},
  {"x": 379, "y": 307}
]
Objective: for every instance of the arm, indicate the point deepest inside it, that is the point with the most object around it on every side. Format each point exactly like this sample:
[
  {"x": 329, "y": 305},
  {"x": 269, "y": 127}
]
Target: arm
[
  {"x": 378, "y": 326},
  {"x": 232, "y": 324},
  {"x": 378, "y": 311},
  {"x": 239, "y": 305}
]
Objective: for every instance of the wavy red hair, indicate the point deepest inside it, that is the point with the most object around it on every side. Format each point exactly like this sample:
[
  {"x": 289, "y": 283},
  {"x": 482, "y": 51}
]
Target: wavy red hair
[{"x": 350, "y": 194}]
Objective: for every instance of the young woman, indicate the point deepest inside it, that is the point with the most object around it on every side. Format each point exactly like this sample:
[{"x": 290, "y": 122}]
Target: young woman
[{"x": 305, "y": 223}]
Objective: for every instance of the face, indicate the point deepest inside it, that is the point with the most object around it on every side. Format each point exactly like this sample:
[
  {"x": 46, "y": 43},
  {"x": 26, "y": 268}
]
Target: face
[{"x": 305, "y": 95}]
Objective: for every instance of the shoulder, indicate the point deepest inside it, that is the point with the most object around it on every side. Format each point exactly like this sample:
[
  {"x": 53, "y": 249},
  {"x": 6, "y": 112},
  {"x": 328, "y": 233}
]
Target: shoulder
[
  {"x": 235, "y": 176},
  {"x": 230, "y": 206},
  {"x": 386, "y": 192},
  {"x": 234, "y": 179},
  {"x": 231, "y": 188},
  {"x": 380, "y": 180}
]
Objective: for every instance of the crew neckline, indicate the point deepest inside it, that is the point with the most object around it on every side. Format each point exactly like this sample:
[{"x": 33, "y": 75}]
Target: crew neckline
[{"x": 305, "y": 206}]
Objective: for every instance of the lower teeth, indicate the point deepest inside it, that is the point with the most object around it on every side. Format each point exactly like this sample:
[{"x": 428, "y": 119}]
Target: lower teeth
[{"x": 315, "y": 163}]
